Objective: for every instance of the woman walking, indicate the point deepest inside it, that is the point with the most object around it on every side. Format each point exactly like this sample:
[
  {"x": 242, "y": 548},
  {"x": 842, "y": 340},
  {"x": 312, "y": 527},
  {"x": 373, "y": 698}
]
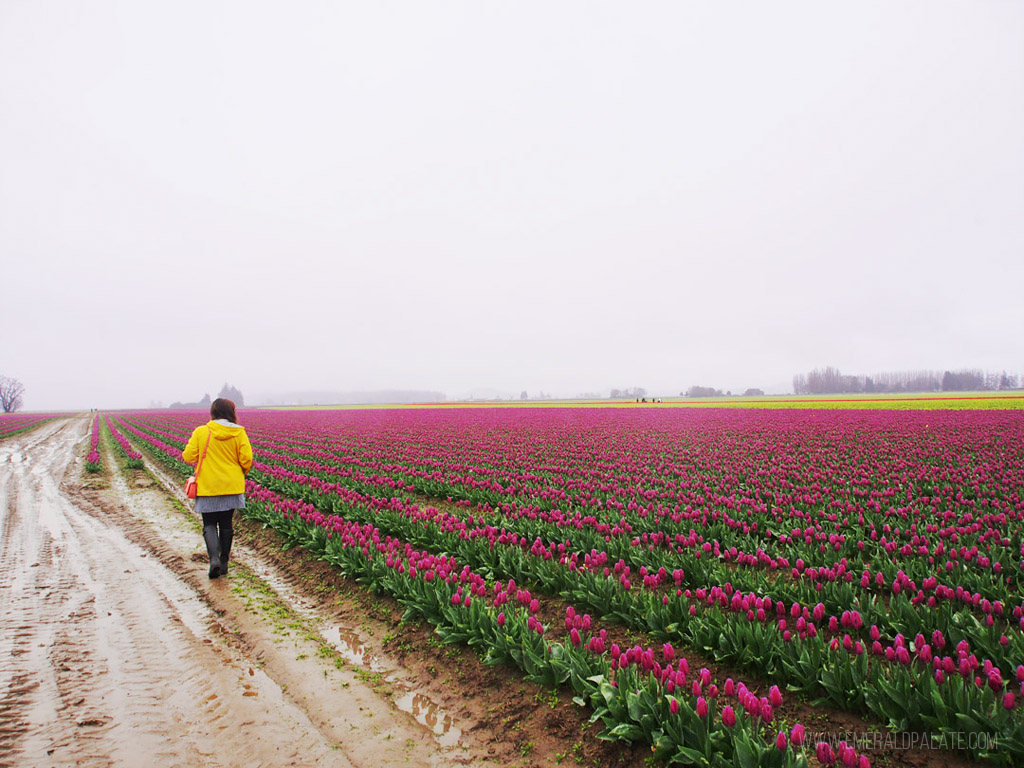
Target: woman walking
[{"x": 224, "y": 457}]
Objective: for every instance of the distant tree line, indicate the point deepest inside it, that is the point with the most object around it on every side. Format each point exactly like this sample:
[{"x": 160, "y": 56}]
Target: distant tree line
[
  {"x": 352, "y": 397},
  {"x": 227, "y": 391},
  {"x": 830, "y": 381},
  {"x": 629, "y": 392},
  {"x": 204, "y": 402},
  {"x": 524, "y": 395},
  {"x": 697, "y": 391}
]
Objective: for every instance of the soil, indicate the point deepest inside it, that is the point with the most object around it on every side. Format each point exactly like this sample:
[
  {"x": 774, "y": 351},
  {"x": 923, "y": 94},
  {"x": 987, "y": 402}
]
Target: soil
[{"x": 117, "y": 649}]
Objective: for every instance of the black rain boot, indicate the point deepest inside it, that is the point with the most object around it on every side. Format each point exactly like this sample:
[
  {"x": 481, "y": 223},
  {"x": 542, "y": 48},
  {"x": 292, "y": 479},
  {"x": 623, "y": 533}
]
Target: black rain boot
[
  {"x": 212, "y": 548},
  {"x": 227, "y": 534}
]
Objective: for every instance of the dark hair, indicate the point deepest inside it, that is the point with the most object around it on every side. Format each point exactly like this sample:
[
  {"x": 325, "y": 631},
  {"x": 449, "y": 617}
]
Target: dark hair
[{"x": 222, "y": 408}]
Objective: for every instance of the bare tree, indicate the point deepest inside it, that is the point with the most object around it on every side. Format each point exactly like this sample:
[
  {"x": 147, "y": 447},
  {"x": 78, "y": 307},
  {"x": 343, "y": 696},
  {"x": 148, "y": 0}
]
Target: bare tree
[
  {"x": 966, "y": 380},
  {"x": 11, "y": 391},
  {"x": 1007, "y": 380}
]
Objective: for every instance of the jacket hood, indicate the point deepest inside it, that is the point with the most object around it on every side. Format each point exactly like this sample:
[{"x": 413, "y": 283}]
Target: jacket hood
[{"x": 222, "y": 429}]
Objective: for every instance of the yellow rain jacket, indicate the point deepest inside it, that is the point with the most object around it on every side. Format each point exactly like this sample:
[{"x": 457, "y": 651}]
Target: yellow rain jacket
[{"x": 227, "y": 461}]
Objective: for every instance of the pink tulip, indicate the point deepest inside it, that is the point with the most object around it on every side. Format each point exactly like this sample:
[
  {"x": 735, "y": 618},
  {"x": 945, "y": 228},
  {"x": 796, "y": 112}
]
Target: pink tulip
[
  {"x": 824, "y": 753},
  {"x": 797, "y": 735}
]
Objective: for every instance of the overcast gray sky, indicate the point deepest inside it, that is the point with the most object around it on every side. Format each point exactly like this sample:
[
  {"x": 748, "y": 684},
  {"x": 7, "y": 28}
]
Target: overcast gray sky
[{"x": 567, "y": 196}]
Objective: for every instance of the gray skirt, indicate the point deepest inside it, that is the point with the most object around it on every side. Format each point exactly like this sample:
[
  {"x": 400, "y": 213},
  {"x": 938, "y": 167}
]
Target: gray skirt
[{"x": 220, "y": 503}]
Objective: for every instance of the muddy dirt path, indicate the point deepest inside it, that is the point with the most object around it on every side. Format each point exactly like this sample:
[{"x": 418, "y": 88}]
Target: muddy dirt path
[{"x": 116, "y": 649}]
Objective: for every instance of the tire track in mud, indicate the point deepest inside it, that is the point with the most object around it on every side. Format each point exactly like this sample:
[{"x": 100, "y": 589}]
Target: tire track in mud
[
  {"x": 106, "y": 657},
  {"x": 22, "y": 599}
]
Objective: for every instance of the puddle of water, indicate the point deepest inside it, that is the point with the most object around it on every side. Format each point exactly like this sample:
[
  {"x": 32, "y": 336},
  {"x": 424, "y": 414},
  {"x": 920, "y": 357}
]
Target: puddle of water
[
  {"x": 347, "y": 643},
  {"x": 427, "y": 712},
  {"x": 423, "y": 709}
]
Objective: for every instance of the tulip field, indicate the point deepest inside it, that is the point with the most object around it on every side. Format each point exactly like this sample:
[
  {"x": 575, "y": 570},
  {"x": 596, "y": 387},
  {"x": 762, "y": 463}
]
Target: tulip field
[
  {"x": 863, "y": 561},
  {"x": 14, "y": 423}
]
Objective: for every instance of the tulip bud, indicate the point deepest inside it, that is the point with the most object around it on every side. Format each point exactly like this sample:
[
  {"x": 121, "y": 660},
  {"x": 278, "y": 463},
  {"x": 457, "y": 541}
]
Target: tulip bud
[
  {"x": 797, "y": 735},
  {"x": 728, "y": 717},
  {"x": 824, "y": 752}
]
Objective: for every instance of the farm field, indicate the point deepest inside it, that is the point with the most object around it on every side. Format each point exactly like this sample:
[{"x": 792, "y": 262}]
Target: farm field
[
  {"x": 1008, "y": 400},
  {"x": 777, "y": 586}
]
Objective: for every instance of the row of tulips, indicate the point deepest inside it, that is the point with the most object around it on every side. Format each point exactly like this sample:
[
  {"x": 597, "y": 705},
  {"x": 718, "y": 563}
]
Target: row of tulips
[
  {"x": 132, "y": 458},
  {"x": 15, "y": 423},
  {"x": 92, "y": 460},
  {"x": 840, "y": 662}
]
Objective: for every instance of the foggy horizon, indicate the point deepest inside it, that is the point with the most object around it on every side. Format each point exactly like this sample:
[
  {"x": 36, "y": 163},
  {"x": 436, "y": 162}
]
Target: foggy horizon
[{"x": 463, "y": 197}]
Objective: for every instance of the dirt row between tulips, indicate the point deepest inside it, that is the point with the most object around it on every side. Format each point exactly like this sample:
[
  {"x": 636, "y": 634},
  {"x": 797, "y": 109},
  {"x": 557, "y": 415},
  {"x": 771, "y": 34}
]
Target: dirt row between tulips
[{"x": 121, "y": 648}]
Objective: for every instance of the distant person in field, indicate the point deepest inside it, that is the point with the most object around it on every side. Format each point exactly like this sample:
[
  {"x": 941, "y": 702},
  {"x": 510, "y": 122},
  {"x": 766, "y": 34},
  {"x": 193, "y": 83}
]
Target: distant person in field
[{"x": 222, "y": 454}]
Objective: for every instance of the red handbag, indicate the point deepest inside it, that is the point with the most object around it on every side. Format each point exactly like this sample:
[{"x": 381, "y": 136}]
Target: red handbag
[{"x": 192, "y": 484}]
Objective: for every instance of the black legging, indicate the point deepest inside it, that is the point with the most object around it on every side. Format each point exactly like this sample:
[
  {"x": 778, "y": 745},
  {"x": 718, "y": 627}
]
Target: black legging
[{"x": 218, "y": 533}]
